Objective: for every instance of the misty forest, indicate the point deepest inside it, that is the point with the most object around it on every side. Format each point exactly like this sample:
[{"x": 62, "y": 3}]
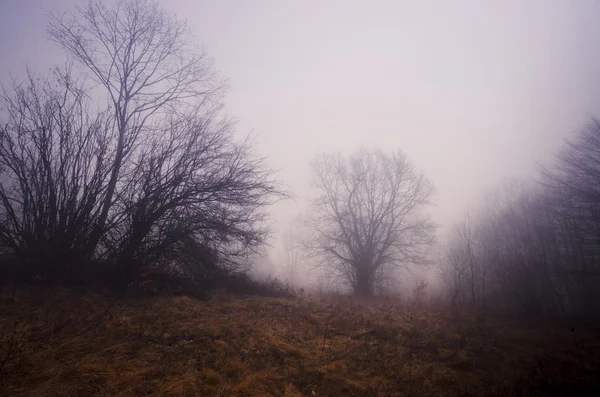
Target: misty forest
[{"x": 150, "y": 246}]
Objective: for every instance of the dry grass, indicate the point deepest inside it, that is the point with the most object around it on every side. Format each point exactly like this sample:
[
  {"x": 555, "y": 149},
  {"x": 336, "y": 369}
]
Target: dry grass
[{"x": 66, "y": 343}]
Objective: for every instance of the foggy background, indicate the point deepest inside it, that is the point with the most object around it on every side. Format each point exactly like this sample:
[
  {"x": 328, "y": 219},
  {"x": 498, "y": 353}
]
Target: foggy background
[{"x": 475, "y": 93}]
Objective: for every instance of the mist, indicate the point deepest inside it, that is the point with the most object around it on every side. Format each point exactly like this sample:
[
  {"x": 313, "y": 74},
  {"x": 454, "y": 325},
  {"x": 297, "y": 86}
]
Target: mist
[
  {"x": 289, "y": 198},
  {"x": 477, "y": 94}
]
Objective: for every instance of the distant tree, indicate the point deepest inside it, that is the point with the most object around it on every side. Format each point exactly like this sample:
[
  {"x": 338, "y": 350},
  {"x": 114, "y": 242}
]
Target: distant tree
[
  {"x": 152, "y": 175},
  {"x": 292, "y": 250},
  {"x": 261, "y": 263},
  {"x": 419, "y": 292},
  {"x": 453, "y": 272},
  {"x": 464, "y": 270},
  {"x": 366, "y": 219}
]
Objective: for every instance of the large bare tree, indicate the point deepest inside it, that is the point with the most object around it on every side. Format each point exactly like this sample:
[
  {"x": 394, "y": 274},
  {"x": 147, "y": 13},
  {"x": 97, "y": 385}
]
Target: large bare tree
[
  {"x": 148, "y": 65},
  {"x": 138, "y": 169},
  {"x": 367, "y": 217}
]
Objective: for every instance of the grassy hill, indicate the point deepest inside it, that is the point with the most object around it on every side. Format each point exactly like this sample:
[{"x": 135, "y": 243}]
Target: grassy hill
[{"x": 57, "y": 342}]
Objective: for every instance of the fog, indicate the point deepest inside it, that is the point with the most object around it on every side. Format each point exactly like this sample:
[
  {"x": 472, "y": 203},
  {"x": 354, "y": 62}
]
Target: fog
[{"x": 475, "y": 93}]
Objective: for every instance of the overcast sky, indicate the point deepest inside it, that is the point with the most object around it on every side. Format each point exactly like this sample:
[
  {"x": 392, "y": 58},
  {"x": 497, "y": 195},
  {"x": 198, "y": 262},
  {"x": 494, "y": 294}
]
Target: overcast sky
[{"x": 474, "y": 92}]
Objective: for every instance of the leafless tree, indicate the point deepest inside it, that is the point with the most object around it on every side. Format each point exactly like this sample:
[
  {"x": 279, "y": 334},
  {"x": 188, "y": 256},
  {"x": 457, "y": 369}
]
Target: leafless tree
[
  {"x": 292, "y": 253},
  {"x": 453, "y": 273},
  {"x": 466, "y": 234},
  {"x": 147, "y": 64},
  {"x": 464, "y": 270},
  {"x": 156, "y": 177},
  {"x": 367, "y": 217}
]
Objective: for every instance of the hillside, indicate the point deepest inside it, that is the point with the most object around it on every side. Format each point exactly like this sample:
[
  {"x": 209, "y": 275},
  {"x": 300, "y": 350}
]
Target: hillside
[{"x": 65, "y": 343}]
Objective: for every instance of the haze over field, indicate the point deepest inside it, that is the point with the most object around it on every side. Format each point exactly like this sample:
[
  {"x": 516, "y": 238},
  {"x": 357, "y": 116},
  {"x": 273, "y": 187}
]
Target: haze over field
[
  {"x": 475, "y": 93},
  {"x": 284, "y": 198}
]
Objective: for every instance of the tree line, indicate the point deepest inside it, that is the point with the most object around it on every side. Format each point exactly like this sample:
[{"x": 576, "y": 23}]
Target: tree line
[
  {"x": 534, "y": 248},
  {"x": 123, "y": 164}
]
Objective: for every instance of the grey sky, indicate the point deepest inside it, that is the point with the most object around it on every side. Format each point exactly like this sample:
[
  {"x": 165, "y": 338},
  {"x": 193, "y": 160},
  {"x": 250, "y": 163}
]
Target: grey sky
[{"x": 475, "y": 92}]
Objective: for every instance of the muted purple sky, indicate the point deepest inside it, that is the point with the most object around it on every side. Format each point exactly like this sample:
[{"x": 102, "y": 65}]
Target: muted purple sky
[{"x": 475, "y": 92}]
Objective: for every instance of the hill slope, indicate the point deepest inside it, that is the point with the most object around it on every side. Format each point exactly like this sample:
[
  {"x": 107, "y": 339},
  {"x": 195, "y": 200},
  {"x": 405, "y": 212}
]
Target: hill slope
[{"x": 66, "y": 343}]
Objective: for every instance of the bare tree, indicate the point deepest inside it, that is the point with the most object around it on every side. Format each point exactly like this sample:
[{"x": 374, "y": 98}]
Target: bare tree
[
  {"x": 147, "y": 64},
  {"x": 366, "y": 219},
  {"x": 154, "y": 179},
  {"x": 467, "y": 236},
  {"x": 292, "y": 249},
  {"x": 453, "y": 272},
  {"x": 464, "y": 270}
]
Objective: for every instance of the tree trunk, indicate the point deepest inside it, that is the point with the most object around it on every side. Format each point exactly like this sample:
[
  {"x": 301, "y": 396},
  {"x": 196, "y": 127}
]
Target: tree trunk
[
  {"x": 363, "y": 286},
  {"x": 100, "y": 225}
]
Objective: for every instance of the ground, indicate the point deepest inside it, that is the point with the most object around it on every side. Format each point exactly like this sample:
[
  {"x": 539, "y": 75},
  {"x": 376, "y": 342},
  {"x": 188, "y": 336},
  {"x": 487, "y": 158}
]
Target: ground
[{"x": 58, "y": 342}]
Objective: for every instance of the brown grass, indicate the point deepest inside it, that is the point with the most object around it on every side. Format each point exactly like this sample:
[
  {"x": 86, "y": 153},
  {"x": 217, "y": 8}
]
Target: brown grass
[{"x": 67, "y": 343}]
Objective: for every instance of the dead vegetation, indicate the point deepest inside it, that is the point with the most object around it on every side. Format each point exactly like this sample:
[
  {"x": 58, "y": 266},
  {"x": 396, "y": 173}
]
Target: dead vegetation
[{"x": 68, "y": 343}]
